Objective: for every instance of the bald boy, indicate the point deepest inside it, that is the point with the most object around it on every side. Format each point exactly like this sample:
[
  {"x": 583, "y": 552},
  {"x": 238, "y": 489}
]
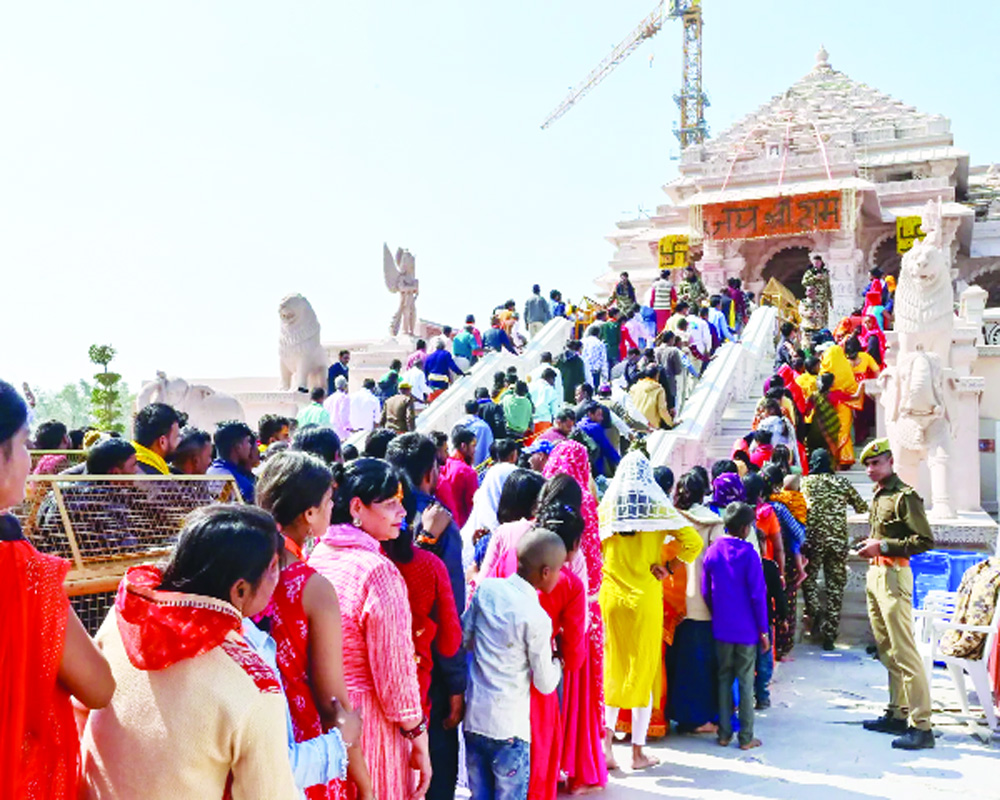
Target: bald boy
[{"x": 510, "y": 637}]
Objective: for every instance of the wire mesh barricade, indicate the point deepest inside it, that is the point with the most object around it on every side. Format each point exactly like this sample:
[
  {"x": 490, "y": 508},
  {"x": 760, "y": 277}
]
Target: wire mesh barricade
[
  {"x": 105, "y": 524},
  {"x": 49, "y": 462}
]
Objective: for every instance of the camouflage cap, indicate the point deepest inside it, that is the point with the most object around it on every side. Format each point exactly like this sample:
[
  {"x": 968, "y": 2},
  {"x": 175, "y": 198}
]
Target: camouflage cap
[{"x": 875, "y": 448}]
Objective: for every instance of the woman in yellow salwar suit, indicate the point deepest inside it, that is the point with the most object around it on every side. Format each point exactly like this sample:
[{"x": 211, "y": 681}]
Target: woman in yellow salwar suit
[
  {"x": 636, "y": 517},
  {"x": 845, "y": 397}
]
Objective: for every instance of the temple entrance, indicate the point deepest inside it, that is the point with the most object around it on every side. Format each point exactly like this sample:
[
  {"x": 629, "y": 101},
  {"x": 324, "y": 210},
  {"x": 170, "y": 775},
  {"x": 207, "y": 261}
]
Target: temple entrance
[
  {"x": 788, "y": 266},
  {"x": 886, "y": 257},
  {"x": 990, "y": 281}
]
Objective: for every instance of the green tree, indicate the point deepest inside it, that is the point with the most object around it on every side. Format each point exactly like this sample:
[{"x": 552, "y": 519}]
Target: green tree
[
  {"x": 70, "y": 405},
  {"x": 107, "y": 394}
]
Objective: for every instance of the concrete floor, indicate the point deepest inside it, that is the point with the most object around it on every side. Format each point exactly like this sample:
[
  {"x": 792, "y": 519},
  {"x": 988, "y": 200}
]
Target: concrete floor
[{"x": 815, "y": 748}]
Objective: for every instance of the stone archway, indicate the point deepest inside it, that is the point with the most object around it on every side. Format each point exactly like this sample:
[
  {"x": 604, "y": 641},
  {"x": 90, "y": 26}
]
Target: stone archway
[
  {"x": 989, "y": 279},
  {"x": 885, "y": 256},
  {"x": 788, "y": 266}
]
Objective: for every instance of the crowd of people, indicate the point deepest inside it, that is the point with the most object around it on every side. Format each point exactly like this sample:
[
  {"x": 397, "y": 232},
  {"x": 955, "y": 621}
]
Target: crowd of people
[{"x": 529, "y": 578}]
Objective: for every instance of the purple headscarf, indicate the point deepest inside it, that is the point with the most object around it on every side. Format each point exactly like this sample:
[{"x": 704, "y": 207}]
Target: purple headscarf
[{"x": 728, "y": 488}]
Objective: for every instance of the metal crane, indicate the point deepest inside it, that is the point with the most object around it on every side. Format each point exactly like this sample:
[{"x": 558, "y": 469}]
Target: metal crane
[{"x": 691, "y": 100}]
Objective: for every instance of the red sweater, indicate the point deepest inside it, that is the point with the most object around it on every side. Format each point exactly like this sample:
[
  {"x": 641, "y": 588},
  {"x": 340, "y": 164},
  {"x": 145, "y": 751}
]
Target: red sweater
[
  {"x": 456, "y": 487},
  {"x": 435, "y": 618}
]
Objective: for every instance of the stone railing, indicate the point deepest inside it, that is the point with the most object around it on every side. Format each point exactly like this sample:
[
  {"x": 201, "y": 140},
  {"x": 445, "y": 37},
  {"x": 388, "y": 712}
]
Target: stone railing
[
  {"x": 940, "y": 182},
  {"x": 450, "y": 406},
  {"x": 728, "y": 377}
]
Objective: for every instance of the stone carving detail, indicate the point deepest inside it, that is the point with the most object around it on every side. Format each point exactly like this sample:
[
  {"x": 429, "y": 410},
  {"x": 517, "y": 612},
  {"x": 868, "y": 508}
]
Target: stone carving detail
[
  {"x": 920, "y": 388},
  {"x": 400, "y": 277},
  {"x": 302, "y": 359},
  {"x": 204, "y": 406}
]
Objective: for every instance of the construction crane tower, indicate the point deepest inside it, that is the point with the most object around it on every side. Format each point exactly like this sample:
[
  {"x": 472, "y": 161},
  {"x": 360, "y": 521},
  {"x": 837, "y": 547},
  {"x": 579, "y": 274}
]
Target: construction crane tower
[{"x": 691, "y": 100}]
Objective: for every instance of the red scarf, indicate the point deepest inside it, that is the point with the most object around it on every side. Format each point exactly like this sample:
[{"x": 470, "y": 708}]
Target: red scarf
[{"x": 161, "y": 628}]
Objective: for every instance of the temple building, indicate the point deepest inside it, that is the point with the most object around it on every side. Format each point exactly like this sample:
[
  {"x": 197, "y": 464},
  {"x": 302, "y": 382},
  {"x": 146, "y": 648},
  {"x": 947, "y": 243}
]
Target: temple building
[{"x": 827, "y": 167}]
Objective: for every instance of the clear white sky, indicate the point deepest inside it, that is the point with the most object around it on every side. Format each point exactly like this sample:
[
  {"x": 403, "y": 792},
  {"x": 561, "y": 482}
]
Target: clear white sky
[{"x": 168, "y": 171}]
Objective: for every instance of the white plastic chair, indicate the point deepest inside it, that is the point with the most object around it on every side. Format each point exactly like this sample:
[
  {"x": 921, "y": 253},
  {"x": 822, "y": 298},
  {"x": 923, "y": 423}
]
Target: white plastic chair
[
  {"x": 977, "y": 668},
  {"x": 939, "y": 606}
]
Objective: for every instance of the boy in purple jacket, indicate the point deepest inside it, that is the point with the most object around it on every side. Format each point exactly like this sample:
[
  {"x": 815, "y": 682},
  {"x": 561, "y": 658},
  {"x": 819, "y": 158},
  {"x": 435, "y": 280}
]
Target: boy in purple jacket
[{"x": 734, "y": 590}]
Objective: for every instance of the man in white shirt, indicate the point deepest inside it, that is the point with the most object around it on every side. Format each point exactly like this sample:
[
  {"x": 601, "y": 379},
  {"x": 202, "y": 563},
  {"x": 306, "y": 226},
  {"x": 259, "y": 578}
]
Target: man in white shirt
[
  {"x": 536, "y": 374},
  {"x": 510, "y": 636},
  {"x": 700, "y": 338},
  {"x": 338, "y": 406},
  {"x": 444, "y": 336},
  {"x": 417, "y": 380},
  {"x": 595, "y": 357},
  {"x": 365, "y": 408}
]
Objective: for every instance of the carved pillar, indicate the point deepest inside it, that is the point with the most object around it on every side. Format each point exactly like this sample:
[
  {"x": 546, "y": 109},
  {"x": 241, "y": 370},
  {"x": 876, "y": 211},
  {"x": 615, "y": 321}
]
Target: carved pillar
[
  {"x": 711, "y": 266},
  {"x": 733, "y": 263},
  {"x": 972, "y": 308},
  {"x": 847, "y": 274}
]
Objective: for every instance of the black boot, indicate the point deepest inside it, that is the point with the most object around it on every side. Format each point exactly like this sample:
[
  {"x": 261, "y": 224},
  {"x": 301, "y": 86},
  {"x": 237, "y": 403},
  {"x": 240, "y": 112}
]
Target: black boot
[
  {"x": 829, "y": 644},
  {"x": 886, "y": 724},
  {"x": 914, "y": 739}
]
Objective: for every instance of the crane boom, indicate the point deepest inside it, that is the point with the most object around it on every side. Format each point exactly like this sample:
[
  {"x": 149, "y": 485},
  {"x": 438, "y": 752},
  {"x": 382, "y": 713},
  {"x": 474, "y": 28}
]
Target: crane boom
[
  {"x": 646, "y": 29},
  {"x": 691, "y": 100}
]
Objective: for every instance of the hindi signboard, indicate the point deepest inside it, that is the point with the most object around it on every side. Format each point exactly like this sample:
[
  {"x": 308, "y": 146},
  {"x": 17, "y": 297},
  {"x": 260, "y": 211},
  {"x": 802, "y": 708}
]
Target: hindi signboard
[
  {"x": 907, "y": 232},
  {"x": 674, "y": 251},
  {"x": 773, "y": 216}
]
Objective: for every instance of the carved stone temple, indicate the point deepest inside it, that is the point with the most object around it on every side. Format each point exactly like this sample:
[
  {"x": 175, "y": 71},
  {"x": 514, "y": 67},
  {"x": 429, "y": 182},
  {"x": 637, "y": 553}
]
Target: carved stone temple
[
  {"x": 835, "y": 167},
  {"x": 826, "y": 167}
]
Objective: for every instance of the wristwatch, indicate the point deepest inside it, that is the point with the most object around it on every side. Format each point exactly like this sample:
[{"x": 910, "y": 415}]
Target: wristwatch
[
  {"x": 883, "y": 547},
  {"x": 413, "y": 733}
]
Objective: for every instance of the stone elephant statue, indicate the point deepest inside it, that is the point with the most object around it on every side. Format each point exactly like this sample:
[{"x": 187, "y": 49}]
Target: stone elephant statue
[
  {"x": 916, "y": 398},
  {"x": 204, "y": 406}
]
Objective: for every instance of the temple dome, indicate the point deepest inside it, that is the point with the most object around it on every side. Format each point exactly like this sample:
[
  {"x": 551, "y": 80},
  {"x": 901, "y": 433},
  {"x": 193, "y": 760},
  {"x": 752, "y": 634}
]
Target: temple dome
[{"x": 824, "y": 104}]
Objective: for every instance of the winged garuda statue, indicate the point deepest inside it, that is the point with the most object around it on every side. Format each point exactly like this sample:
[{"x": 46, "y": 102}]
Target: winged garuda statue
[{"x": 400, "y": 276}]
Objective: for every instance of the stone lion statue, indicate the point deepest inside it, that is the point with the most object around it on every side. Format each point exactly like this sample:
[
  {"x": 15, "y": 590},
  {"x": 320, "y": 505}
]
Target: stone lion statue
[
  {"x": 204, "y": 406},
  {"x": 925, "y": 301},
  {"x": 302, "y": 359}
]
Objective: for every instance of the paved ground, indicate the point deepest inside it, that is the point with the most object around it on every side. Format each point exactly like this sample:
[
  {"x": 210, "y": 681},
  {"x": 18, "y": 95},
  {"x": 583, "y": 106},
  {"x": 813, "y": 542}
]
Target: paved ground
[{"x": 815, "y": 748}]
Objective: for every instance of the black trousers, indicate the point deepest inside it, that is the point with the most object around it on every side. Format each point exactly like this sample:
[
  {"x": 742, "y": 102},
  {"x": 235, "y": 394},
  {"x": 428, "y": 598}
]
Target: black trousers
[{"x": 443, "y": 744}]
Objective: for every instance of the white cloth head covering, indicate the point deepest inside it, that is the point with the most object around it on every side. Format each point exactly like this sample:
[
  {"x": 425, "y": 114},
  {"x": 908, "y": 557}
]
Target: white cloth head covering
[
  {"x": 635, "y": 502},
  {"x": 486, "y": 500}
]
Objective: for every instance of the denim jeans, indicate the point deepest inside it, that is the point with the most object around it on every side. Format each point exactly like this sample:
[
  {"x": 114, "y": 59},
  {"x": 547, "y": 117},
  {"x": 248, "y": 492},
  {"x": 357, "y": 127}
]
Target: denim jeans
[
  {"x": 499, "y": 769},
  {"x": 765, "y": 670}
]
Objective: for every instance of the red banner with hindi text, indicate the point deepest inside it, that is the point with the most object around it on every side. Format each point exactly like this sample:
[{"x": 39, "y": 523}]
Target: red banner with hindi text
[{"x": 773, "y": 216}]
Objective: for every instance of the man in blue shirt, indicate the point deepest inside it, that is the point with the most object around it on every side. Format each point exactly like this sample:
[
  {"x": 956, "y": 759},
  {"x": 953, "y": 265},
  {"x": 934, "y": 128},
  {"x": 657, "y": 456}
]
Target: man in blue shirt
[
  {"x": 496, "y": 338},
  {"x": 338, "y": 368},
  {"x": 484, "y": 434},
  {"x": 438, "y": 368},
  {"x": 416, "y": 456},
  {"x": 235, "y": 446}
]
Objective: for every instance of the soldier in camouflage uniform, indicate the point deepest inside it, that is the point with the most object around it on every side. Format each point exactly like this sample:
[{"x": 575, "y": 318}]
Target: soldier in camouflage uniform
[
  {"x": 817, "y": 277},
  {"x": 827, "y": 497},
  {"x": 691, "y": 290}
]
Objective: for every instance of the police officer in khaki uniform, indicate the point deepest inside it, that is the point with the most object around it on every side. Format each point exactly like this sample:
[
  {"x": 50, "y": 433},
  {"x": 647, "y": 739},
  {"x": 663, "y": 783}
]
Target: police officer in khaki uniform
[{"x": 899, "y": 529}]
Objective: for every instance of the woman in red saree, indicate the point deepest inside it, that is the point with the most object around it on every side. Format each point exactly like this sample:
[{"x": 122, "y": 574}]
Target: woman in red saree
[
  {"x": 583, "y": 758},
  {"x": 45, "y": 654},
  {"x": 297, "y": 490}
]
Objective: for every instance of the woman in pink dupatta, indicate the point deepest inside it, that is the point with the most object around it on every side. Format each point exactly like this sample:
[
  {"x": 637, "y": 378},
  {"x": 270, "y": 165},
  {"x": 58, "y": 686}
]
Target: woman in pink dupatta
[
  {"x": 583, "y": 690},
  {"x": 380, "y": 667},
  {"x": 870, "y": 330}
]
